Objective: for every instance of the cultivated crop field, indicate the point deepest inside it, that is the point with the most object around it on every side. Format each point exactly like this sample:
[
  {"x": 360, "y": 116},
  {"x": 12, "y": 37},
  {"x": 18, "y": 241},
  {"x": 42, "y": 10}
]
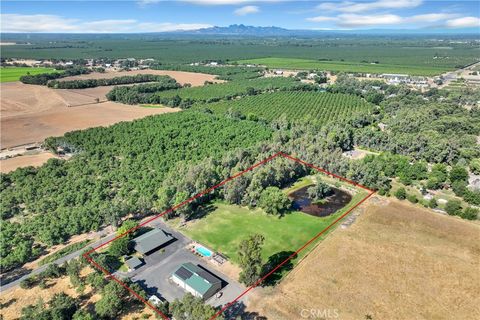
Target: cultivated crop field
[
  {"x": 350, "y": 66},
  {"x": 228, "y": 89},
  {"x": 296, "y": 105},
  {"x": 398, "y": 52},
  {"x": 10, "y": 74}
]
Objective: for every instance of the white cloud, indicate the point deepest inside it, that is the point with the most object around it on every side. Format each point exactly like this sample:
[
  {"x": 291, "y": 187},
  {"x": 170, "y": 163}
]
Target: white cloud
[
  {"x": 322, "y": 19},
  {"x": 12, "y": 22},
  {"x": 350, "y": 20},
  {"x": 464, "y": 22},
  {"x": 354, "y": 7},
  {"x": 218, "y": 2},
  {"x": 54, "y": 24},
  {"x": 355, "y": 20},
  {"x": 209, "y": 2},
  {"x": 246, "y": 10},
  {"x": 430, "y": 17},
  {"x": 143, "y": 3},
  {"x": 229, "y": 2}
]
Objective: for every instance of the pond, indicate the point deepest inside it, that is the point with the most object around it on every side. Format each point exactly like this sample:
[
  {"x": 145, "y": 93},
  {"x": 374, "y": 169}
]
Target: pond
[{"x": 301, "y": 202}]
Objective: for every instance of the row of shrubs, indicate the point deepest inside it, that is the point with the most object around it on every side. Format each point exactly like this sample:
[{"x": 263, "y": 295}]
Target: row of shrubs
[
  {"x": 452, "y": 207},
  {"x": 92, "y": 83},
  {"x": 44, "y": 78}
]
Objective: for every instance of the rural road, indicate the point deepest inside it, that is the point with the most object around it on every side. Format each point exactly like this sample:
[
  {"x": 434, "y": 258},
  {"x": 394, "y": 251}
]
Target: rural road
[{"x": 59, "y": 261}]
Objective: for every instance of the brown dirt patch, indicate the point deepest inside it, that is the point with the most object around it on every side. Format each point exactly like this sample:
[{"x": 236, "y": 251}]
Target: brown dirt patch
[
  {"x": 31, "y": 113},
  {"x": 182, "y": 77},
  {"x": 17, "y": 98},
  {"x": 38, "y": 126},
  {"x": 397, "y": 262},
  {"x": 35, "y": 160}
]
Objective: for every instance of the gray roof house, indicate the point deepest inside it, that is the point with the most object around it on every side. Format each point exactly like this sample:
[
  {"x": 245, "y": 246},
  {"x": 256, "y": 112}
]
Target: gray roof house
[
  {"x": 196, "y": 280},
  {"x": 151, "y": 240}
]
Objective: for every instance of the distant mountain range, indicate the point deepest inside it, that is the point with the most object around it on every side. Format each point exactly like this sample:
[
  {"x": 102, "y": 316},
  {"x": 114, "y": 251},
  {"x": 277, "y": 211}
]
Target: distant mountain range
[
  {"x": 243, "y": 30},
  {"x": 272, "y": 31}
]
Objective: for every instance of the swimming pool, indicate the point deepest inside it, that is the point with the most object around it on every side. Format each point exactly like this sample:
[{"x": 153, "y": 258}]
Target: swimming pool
[{"x": 203, "y": 251}]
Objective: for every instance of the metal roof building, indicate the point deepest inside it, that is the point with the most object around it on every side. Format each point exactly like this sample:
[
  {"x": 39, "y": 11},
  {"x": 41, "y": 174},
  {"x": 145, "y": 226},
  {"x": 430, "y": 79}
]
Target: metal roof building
[
  {"x": 133, "y": 263},
  {"x": 151, "y": 240},
  {"x": 196, "y": 280}
]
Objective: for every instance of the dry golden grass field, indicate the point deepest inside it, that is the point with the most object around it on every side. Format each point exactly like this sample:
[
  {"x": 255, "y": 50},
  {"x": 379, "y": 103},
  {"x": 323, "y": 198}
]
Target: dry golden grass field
[
  {"x": 398, "y": 261},
  {"x": 14, "y": 299}
]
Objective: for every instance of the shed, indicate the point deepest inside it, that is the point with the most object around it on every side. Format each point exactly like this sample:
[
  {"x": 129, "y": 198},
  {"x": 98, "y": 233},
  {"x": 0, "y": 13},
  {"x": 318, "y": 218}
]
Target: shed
[
  {"x": 153, "y": 239},
  {"x": 133, "y": 263},
  {"x": 196, "y": 280}
]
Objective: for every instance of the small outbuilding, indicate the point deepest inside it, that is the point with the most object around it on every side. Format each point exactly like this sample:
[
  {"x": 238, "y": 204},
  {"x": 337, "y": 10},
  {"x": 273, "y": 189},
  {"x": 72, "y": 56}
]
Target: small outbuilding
[
  {"x": 196, "y": 280},
  {"x": 151, "y": 241},
  {"x": 133, "y": 263}
]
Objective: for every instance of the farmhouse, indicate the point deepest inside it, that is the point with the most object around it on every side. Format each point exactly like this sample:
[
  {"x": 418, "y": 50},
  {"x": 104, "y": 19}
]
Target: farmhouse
[
  {"x": 395, "y": 78},
  {"x": 151, "y": 241},
  {"x": 196, "y": 280}
]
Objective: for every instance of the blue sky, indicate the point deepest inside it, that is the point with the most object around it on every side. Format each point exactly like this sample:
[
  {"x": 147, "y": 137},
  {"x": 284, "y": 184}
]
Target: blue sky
[{"x": 158, "y": 15}]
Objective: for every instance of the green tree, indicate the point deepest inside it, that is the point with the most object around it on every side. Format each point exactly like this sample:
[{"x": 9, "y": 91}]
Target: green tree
[
  {"x": 453, "y": 207},
  {"x": 62, "y": 306},
  {"x": 83, "y": 315},
  {"x": 458, "y": 173},
  {"x": 192, "y": 308},
  {"x": 73, "y": 269},
  {"x": 119, "y": 247},
  {"x": 111, "y": 304},
  {"x": 412, "y": 198},
  {"x": 96, "y": 280},
  {"x": 127, "y": 225},
  {"x": 459, "y": 187},
  {"x": 250, "y": 255},
  {"x": 274, "y": 201},
  {"x": 401, "y": 194},
  {"x": 475, "y": 165},
  {"x": 319, "y": 191},
  {"x": 469, "y": 213},
  {"x": 432, "y": 203}
]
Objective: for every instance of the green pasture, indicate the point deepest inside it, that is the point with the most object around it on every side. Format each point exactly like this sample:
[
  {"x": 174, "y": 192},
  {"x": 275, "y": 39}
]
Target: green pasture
[
  {"x": 224, "y": 227},
  {"x": 347, "y": 66},
  {"x": 10, "y": 74}
]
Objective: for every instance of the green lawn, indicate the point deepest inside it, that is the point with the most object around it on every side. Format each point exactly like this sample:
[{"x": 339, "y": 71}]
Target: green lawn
[
  {"x": 344, "y": 66},
  {"x": 10, "y": 74},
  {"x": 224, "y": 228}
]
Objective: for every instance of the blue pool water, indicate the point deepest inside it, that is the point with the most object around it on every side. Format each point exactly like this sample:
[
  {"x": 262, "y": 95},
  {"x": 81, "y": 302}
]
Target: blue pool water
[{"x": 203, "y": 251}]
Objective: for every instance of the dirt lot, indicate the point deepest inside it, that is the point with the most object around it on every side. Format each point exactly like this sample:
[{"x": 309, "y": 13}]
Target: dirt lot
[
  {"x": 182, "y": 77},
  {"x": 35, "y": 160},
  {"x": 38, "y": 126},
  {"x": 17, "y": 98},
  {"x": 396, "y": 262},
  {"x": 31, "y": 113}
]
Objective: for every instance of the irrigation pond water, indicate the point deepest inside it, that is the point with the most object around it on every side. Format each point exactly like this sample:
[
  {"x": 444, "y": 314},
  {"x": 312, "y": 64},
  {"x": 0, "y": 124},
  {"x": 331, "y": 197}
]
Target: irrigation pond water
[{"x": 301, "y": 202}]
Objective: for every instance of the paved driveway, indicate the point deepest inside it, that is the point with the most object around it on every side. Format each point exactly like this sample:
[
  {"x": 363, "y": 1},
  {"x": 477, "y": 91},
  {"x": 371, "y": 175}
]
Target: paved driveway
[{"x": 154, "y": 275}]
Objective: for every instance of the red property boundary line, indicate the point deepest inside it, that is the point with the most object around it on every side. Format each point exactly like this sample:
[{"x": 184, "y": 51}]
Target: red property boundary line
[{"x": 228, "y": 305}]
